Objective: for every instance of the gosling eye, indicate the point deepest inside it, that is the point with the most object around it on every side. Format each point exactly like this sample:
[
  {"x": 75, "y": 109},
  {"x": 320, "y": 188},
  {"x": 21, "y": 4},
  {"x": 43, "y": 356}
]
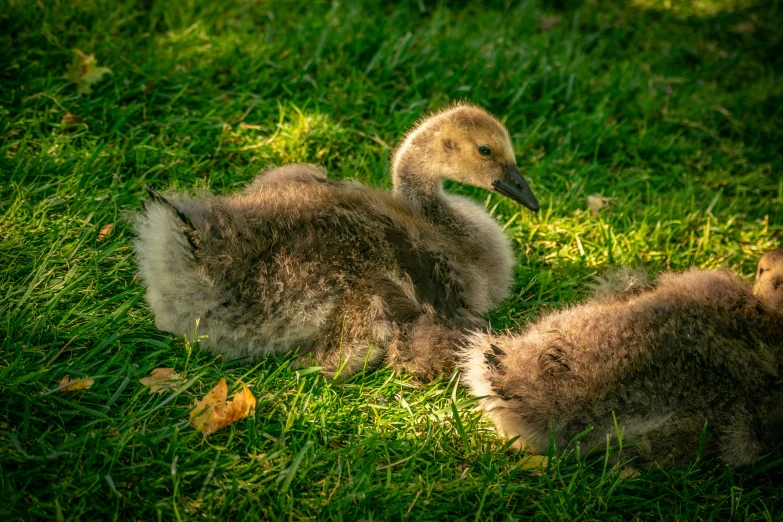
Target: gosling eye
[
  {"x": 484, "y": 150},
  {"x": 761, "y": 271}
]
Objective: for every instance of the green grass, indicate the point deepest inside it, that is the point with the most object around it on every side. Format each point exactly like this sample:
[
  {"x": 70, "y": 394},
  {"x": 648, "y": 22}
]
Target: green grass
[{"x": 674, "y": 113}]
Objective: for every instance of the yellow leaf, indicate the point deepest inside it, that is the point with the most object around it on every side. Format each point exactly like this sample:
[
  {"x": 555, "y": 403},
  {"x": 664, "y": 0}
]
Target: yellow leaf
[
  {"x": 104, "y": 231},
  {"x": 84, "y": 71},
  {"x": 595, "y": 203},
  {"x": 213, "y": 412},
  {"x": 161, "y": 379},
  {"x": 534, "y": 463},
  {"x": 216, "y": 395},
  {"x": 78, "y": 384}
]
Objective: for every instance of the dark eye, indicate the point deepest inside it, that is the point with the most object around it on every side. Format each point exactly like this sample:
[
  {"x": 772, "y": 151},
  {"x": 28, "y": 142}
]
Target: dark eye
[
  {"x": 484, "y": 150},
  {"x": 761, "y": 271}
]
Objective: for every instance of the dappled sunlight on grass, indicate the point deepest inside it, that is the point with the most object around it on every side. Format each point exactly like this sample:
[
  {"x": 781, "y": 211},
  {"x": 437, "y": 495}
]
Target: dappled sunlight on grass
[
  {"x": 298, "y": 137},
  {"x": 695, "y": 7}
]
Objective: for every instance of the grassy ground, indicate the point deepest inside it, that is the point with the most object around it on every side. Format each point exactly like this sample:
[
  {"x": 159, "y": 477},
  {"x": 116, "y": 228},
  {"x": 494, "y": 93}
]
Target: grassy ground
[{"x": 674, "y": 113}]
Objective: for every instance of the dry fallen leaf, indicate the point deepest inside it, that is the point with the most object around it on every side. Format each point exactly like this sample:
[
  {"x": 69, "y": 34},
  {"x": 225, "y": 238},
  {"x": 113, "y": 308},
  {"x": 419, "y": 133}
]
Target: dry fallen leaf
[
  {"x": 84, "y": 71},
  {"x": 546, "y": 22},
  {"x": 261, "y": 459},
  {"x": 745, "y": 28},
  {"x": 70, "y": 121},
  {"x": 213, "y": 412},
  {"x": 595, "y": 203},
  {"x": 161, "y": 379},
  {"x": 216, "y": 395},
  {"x": 78, "y": 384},
  {"x": 629, "y": 472},
  {"x": 192, "y": 505},
  {"x": 104, "y": 231}
]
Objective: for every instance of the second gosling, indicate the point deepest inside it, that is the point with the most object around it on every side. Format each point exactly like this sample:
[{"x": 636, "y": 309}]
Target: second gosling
[{"x": 658, "y": 360}]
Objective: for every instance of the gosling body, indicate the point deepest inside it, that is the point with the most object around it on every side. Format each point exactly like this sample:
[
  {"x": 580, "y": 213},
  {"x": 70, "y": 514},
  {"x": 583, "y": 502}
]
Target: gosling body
[
  {"x": 657, "y": 360},
  {"x": 350, "y": 276}
]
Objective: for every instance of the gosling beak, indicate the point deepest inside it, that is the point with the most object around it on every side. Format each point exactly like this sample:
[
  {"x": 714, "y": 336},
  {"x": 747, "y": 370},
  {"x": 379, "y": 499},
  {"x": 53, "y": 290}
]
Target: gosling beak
[{"x": 514, "y": 186}]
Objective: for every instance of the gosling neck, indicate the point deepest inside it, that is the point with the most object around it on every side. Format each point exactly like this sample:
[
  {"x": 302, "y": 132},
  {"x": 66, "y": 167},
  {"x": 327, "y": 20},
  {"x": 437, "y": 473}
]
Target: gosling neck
[{"x": 423, "y": 194}]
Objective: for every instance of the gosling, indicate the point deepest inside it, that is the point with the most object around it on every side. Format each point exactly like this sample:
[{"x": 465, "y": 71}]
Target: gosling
[
  {"x": 693, "y": 352},
  {"x": 769, "y": 279},
  {"x": 351, "y": 276}
]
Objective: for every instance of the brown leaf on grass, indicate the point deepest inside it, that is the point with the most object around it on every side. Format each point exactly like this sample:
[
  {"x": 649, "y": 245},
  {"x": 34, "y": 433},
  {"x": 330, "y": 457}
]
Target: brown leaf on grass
[
  {"x": 161, "y": 379},
  {"x": 216, "y": 395},
  {"x": 78, "y": 384},
  {"x": 213, "y": 412},
  {"x": 70, "y": 121},
  {"x": 595, "y": 203},
  {"x": 745, "y": 28},
  {"x": 192, "y": 505},
  {"x": 104, "y": 231},
  {"x": 84, "y": 71},
  {"x": 546, "y": 22},
  {"x": 261, "y": 459},
  {"x": 629, "y": 472}
]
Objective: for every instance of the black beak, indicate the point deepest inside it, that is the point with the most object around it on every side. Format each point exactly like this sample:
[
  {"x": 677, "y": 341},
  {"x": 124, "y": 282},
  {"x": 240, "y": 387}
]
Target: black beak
[{"x": 514, "y": 186}]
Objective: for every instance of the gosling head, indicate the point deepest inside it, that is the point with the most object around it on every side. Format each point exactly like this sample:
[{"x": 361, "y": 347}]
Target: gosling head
[
  {"x": 769, "y": 280},
  {"x": 466, "y": 144}
]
